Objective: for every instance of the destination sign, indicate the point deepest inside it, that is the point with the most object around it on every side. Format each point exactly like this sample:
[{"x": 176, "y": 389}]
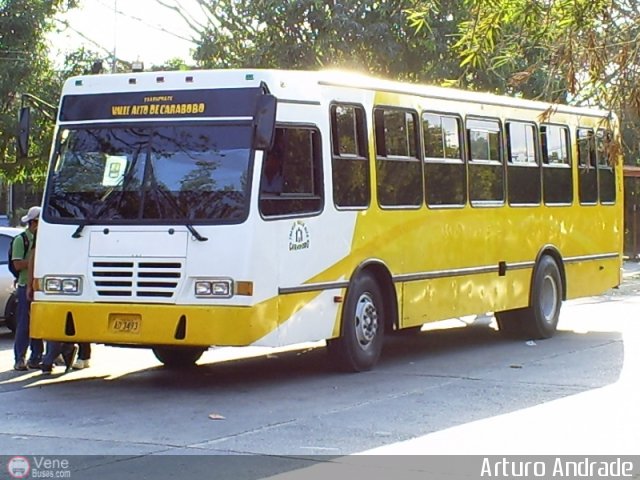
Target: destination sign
[{"x": 219, "y": 102}]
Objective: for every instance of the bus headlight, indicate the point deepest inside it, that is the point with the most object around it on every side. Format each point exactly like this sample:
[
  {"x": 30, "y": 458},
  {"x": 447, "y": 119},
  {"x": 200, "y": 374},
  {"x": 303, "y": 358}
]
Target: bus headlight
[
  {"x": 62, "y": 285},
  {"x": 219, "y": 288}
]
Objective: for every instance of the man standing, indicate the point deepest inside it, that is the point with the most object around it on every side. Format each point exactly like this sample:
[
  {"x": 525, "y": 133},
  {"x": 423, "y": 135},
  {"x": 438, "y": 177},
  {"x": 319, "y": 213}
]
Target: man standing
[{"x": 21, "y": 248}]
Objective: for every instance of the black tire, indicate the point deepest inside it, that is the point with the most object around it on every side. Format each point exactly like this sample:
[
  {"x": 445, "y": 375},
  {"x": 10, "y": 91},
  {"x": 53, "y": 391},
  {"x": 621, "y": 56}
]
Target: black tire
[
  {"x": 540, "y": 319},
  {"x": 363, "y": 320},
  {"x": 178, "y": 357},
  {"x": 10, "y": 311}
]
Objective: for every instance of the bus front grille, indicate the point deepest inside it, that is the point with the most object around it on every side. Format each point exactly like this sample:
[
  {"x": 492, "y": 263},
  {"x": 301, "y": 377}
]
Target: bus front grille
[{"x": 136, "y": 279}]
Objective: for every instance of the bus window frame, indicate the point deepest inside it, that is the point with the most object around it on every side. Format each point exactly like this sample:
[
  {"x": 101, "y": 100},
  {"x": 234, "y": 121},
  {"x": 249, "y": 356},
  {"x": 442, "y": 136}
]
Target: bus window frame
[
  {"x": 580, "y": 167},
  {"x": 500, "y": 162},
  {"x": 536, "y": 164},
  {"x": 398, "y": 158},
  {"x": 435, "y": 160},
  {"x": 364, "y": 146},
  {"x": 318, "y": 155},
  {"x": 563, "y": 166},
  {"x": 605, "y": 166}
]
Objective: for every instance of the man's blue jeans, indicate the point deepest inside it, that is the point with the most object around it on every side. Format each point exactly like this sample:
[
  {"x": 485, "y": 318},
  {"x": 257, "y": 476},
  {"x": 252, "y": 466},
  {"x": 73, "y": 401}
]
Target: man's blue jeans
[
  {"x": 22, "y": 339},
  {"x": 53, "y": 350}
]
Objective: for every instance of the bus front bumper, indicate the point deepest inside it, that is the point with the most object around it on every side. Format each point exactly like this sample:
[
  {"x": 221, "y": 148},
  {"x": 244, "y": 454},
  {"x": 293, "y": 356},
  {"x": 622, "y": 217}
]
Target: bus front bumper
[{"x": 149, "y": 324}]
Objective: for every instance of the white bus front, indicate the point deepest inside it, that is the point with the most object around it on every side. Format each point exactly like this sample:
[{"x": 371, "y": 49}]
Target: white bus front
[{"x": 147, "y": 236}]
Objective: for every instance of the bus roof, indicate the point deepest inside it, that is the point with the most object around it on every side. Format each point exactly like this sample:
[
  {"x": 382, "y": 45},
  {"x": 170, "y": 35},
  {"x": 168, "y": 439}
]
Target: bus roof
[{"x": 298, "y": 85}]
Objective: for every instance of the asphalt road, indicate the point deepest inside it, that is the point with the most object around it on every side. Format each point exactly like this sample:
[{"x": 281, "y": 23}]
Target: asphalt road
[{"x": 459, "y": 390}]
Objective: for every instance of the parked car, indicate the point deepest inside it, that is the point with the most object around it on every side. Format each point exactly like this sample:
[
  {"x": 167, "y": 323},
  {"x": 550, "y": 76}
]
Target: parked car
[{"x": 8, "y": 300}]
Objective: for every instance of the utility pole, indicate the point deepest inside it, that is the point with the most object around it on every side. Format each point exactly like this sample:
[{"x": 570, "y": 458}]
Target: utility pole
[{"x": 115, "y": 35}]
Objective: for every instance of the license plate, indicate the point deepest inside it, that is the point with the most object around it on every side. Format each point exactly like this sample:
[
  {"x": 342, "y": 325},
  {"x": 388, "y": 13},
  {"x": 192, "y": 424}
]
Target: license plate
[{"x": 125, "y": 322}]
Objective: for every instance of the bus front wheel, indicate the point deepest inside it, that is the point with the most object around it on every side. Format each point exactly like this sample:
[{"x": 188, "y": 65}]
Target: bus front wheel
[
  {"x": 178, "y": 357},
  {"x": 360, "y": 345}
]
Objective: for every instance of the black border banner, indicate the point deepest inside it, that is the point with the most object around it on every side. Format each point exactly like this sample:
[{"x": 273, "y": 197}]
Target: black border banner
[{"x": 188, "y": 463}]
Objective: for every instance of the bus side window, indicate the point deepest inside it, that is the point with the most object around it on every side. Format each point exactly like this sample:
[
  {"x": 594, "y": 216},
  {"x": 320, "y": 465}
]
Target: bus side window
[
  {"x": 445, "y": 174},
  {"x": 556, "y": 165},
  {"x": 606, "y": 173},
  {"x": 486, "y": 175},
  {"x": 349, "y": 158},
  {"x": 398, "y": 167},
  {"x": 587, "y": 171},
  {"x": 272, "y": 182},
  {"x": 523, "y": 166},
  {"x": 291, "y": 180}
]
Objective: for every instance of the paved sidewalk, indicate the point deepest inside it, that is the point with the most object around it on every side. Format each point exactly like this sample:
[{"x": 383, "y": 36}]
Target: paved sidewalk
[{"x": 630, "y": 268}]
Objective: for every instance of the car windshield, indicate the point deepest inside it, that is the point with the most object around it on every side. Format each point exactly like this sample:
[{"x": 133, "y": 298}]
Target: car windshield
[{"x": 174, "y": 174}]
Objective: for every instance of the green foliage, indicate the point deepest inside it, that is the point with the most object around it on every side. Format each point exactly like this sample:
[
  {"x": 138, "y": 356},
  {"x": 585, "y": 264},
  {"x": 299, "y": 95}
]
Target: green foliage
[
  {"x": 25, "y": 68},
  {"x": 309, "y": 34},
  {"x": 80, "y": 62},
  {"x": 578, "y": 51},
  {"x": 172, "y": 64}
]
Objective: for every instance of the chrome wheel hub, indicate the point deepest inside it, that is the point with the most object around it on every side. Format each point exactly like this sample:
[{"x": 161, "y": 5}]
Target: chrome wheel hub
[
  {"x": 366, "y": 321},
  {"x": 549, "y": 299}
]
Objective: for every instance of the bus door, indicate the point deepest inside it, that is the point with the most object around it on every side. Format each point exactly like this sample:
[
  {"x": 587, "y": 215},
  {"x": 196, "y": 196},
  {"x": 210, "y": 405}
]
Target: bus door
[{"x": 292, "y": 200}]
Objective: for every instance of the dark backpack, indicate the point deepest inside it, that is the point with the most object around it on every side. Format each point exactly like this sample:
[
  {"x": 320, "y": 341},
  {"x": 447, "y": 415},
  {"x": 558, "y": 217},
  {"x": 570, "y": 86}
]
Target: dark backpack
[{"x": 25, "y": 242}]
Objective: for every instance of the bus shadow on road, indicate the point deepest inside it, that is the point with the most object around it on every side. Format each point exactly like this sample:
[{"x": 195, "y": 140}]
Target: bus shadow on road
[{"x": 469, "y": 350}]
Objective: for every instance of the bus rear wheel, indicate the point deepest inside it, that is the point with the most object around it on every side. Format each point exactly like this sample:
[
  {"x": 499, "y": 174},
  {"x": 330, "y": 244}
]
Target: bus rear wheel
[
  {"x": 178, "y": 357},
  {"x": 540, "y": 319},
  {"x": 360, "y": 344}
]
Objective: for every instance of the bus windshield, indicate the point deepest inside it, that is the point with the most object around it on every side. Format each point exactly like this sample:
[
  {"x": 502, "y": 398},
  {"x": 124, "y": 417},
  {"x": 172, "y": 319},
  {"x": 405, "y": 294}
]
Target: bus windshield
[{"x": 160, "y": 174}]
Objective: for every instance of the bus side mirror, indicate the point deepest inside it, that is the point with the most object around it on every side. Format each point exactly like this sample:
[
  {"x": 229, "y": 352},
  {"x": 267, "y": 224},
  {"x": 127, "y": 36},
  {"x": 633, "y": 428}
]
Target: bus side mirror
[
  {"x": 265, "y": 122},
  {"x": 24, "y": 128}
]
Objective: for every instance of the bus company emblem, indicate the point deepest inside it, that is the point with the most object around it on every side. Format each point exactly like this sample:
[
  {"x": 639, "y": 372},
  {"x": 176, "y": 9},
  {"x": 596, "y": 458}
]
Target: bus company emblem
[{"x": 298, "y": 236}]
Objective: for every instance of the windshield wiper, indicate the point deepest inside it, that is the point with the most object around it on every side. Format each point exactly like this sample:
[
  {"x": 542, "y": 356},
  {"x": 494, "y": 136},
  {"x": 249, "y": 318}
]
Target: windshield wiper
[
  {"x": 78, "y": 232},
  {"x": 195, "y": 233},
  {"x": 175, "y": 206},
  {"x": 92, "y": 220}
]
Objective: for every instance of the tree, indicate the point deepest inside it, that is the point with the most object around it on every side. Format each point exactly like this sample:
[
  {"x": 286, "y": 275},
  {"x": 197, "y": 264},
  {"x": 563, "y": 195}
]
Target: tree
[
  {"x": 25, "y": 68},
  {"x": 309, "y": 34},
  {"x": 477, "y": 28},
  {"x": 580, "y": 51},
  {"x": 172, "y": 64}
]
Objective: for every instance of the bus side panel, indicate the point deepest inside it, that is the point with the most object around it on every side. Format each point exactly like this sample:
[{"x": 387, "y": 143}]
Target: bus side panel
[
  {"x": 588, "y": 278},
  {"x": 305, "y": 317},
  {"x": 442, "y": 298}
]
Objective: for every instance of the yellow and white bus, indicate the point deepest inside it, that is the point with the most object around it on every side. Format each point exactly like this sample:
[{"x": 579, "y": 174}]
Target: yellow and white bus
[{"x": 262, "y": 207}]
